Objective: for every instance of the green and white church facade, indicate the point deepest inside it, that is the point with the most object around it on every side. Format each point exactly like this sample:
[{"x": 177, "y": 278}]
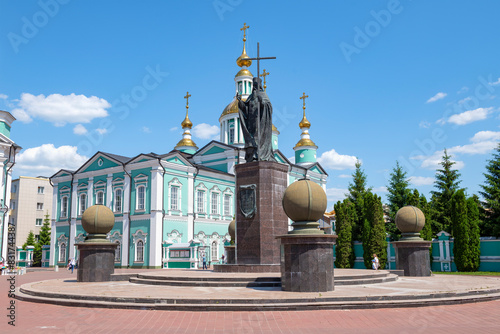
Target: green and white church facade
[{"x": 169, "y": 208}]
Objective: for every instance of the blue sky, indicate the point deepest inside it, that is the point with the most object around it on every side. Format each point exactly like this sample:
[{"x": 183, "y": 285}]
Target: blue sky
[{"x": 387, "y": 80}]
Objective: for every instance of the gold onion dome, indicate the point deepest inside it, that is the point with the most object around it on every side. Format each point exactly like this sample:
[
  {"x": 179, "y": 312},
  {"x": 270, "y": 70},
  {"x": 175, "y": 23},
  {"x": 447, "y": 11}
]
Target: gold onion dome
[
  {"x": 244, "y": 60},
  {"x": 185, "y": 142},
  {"x": 305, "y": 142},
  {"x": 243, "y": 72},
  {"x": 304, "y": 123},
  {"x": 231, "y": 108},
  {"x": 186, "y": 123},
  {"x": 275, "y": 129}
]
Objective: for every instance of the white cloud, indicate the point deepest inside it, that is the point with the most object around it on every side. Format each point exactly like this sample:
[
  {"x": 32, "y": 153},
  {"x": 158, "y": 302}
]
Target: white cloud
[
  {"x": 433, "y": 161},
  {"x": 436, "y": 97},
  {"x": 470, "y": 116},
  {"x": 463, "y": 90},
  {"x": 145, "y": 129},
  {"x": 332, "y": 160},
  {"x": 60, "y": 109},
  {"x": 381, "y": 189},
  {"x": 102, "y": 131},
  {"x": 3, "y": 97},
  {"x": 486, "y": 136},
  {"x": 336, "y": 194},
  {"x": 421, "y": 180},
  {"x": 495, "y": 83},
  {"x": 424, "y": 124},
  {"x": 462, "y": 101},
  {"x": 79, "y": 130},
  {"x": 46, "y": 160},
  {"x": 206, "y": 131},
  {"x": 344, "y": 176},
  {"x": 474, "y": 148},
  {"x": 174, "y": 128}
]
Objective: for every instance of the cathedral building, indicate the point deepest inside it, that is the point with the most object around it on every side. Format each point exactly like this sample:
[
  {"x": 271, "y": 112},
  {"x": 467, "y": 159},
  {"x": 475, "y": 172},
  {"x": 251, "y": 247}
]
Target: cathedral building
[{"x": 169, "y": 208}]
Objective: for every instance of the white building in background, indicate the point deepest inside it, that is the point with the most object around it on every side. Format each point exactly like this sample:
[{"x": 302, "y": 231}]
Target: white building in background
[
  {"x": 31, "y": 200},
  {"x": 8, "y": 151}
]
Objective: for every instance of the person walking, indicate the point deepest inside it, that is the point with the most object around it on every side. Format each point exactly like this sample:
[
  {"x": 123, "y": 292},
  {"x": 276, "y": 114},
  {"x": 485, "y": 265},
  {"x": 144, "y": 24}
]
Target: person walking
[
  {"x": 204, "y": 262},
  {"x": 72, "y": 264},
  {"x": 375, "y": 262}
]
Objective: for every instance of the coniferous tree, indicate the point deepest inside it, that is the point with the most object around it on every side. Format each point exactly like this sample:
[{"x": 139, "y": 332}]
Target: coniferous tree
[
  {"x": 376, "y": 243},
  {"x": 426, "y": 233},
  {"x": 367, "y": 228},
  {"x": 44, "y": 239},
  {"x": 357, "y": 190},
  {"x": 491, "y": 195},
  {"x": 30, "y": 240},
  {"x": 397, "y": 197},
  {"x": 447, "y": 181},
  {"x": 466, "y": 239},
  {"x": 474, "y": 237},
  {"x": 344, "y": 251}
]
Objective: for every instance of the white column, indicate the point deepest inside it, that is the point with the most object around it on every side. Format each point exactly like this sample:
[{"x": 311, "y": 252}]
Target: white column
[
  {"x": 190, "y": 209},
  {"x": 156, "y": 220},
  {"x": 237, "y": 125},
  {"x": 53, "y": 240},
  {"x": 6, "y": 202},
  {"x": 74, "y": 201},
  {"x": 90, "y": 192},
  {"x": 126, "y": 222},
  {"x": 72, "y": 235},
  {"x": 109, "y": 190}
]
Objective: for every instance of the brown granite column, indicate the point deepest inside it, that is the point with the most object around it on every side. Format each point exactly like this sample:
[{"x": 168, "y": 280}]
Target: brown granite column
[{"x": 413, "y": 257}]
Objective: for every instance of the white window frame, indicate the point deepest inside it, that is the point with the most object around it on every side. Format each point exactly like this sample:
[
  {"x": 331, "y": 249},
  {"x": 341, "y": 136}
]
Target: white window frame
[
  {"x": 62, "y": 242},
  {"x": 231, "y": 133},
  {"x": 139, "y": 236},
  {"x": 215, "y": 251},
  {"x": 116, "y": 237},
  {"x": 40, "y": 190},
  {"x": 200, "y": 200},
  {"x": 82, "y": 205},
  {"x": 39, "y": 206},
  {"x": 174, "y": 198},
  {"x": 116, "y": 207},
  {"x": 227, "y": 204},
  {"x": 214, "y": 205},
  {"x": 140, "y": 203},
  {"x": 175, "y": 183},
  {"x": 38, "y": 220},
  {"x": 64, "y": 206},
  {"x": 99, "y": 193}
]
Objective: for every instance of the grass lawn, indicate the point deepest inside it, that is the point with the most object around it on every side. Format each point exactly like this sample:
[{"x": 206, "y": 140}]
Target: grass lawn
[{"x": 477, "y": 273}]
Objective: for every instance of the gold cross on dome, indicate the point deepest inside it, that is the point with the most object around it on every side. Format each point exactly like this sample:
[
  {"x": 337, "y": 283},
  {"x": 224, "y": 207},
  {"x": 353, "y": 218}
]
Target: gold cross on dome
[
  {"x": 303, "y": 98},
  {"x": 245, "y": 27},
  {"x": 187, "y": 99},
  {"x": 264, "y": 74}
]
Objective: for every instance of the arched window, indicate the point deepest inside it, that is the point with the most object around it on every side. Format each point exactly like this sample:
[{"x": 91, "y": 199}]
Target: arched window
[
  {"x": 118, "y": 252},
  {"x": 141, "y": 192},
  {"x": 139, "y": 255},
  {"x": 64, "y": 207},
  {"x": 118, "y": 200},
  {"x": 215, "y": 251},
  {"x": 83, "y": 203},
  {"x": 62, "y": 252}
]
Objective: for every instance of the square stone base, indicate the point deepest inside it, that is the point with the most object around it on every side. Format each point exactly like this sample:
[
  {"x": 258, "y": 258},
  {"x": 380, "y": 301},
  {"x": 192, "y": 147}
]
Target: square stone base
[
  {"x": 256, "y": 235},
  {"x": 307, "y": 262},
  {"x": 96, "y": 262},
  {"x": 413, "y": 257}
]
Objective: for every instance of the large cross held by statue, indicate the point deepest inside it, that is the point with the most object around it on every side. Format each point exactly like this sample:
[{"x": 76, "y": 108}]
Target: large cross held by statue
[{"x": 259, "y": 58}]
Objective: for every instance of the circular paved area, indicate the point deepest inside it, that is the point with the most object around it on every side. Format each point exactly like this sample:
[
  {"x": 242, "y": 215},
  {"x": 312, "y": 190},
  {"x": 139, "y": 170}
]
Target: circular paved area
[{"x": 39, "y": 318}]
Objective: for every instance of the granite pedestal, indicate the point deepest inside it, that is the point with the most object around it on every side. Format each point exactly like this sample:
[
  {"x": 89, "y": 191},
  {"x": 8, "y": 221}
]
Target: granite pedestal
[
  {"x": 256, "y": 242},
  {"x": 230, "y": 253},
  {"x": 413, "y": 257},
  {"x": 96, "y": 262},
  {"x": 307, "y": 262}
]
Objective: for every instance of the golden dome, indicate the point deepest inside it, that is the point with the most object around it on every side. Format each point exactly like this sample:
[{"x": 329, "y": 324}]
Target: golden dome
[
  {"x": 232, "y": 108},
  {"x": 186, "y": 123},
  {"x": 304, "y": 123},
  {"x": 275, "y": 129},
  {"x": 305, "y": 142},
  {"x": 185, "y": 142},
  {"x": 243, "y": 59},
  {"x": 243, "y": 72}
]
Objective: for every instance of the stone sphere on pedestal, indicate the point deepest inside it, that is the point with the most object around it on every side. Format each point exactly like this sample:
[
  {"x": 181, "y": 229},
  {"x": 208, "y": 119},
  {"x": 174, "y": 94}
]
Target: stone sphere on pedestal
[
  {"x": 410, "y": 220},
  {"x": 97, "y": 221},
  {"x": 305, "y": 203},
  {"x": 231, "y": 230}
]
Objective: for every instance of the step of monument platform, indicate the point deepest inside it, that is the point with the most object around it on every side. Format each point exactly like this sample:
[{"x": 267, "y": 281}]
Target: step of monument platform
[
  {"x": 181, "y": 304},
  {"x": 209, "y": 279}
]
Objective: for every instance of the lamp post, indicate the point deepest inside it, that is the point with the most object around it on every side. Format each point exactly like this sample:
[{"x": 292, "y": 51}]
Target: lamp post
[{"x": 3, "y": 211}]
